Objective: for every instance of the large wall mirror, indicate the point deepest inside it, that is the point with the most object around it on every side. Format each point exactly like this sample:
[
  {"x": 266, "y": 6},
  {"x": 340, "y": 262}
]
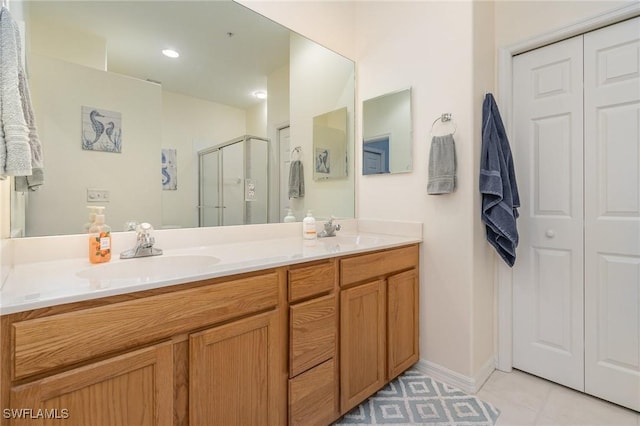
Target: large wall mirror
[
  {"x": 387, "y": 134},
  {"x": 122, "y": 124}
]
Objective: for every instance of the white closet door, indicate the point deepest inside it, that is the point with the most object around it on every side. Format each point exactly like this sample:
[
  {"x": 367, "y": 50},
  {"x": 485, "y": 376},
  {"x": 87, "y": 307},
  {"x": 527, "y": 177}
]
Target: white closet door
[
  {"x": 612, "y": 213},
  {"x": 548, "y": 151}
]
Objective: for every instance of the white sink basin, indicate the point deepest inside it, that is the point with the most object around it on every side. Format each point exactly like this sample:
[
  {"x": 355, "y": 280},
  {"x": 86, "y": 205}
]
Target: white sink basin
[
  {"x": 148, "y": 268},
  {"x": 352, "y": 242}
]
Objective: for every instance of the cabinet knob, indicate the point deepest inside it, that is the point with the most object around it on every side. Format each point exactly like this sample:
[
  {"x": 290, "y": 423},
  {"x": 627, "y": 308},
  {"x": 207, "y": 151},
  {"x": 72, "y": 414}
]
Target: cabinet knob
[{"x": 550, "y": 233}]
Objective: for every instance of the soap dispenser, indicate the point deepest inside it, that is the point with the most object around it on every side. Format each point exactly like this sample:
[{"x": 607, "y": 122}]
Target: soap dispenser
[
  {"x": 289, "y": 217},
  {"x": 309, "y": 227},
  {"x": 99, "y": 239},
  {"x": 92, "y": 218}
]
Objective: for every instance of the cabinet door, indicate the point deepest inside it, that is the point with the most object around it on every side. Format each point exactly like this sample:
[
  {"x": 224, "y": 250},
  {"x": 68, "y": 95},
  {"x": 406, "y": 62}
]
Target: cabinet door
[
  {"x": 402, "y": 322},
  {"x": 131, "y": 389},
  {"x": 234, "y": 373},
  {"x": 313, "y": 396},
  {"x": 362, "y": 342}
]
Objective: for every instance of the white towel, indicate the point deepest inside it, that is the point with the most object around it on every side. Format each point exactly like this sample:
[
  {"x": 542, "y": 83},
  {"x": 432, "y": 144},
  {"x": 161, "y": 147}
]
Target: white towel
[{"x": 20, "y": 149}]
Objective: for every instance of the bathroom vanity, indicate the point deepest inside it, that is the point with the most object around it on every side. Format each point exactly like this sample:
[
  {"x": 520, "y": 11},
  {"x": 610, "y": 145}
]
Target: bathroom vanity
[{"x": 295, "y": 340}]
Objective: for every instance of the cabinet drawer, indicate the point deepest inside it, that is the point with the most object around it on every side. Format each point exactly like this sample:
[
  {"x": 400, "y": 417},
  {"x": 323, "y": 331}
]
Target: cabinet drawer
[
  {"x": 49, "y": 342},
  {"x": 369, "y": 266},
  {"x": 313, "y": 333},
  {"x": 312, "y": 280},
  {"x": 313, "y": 396}
]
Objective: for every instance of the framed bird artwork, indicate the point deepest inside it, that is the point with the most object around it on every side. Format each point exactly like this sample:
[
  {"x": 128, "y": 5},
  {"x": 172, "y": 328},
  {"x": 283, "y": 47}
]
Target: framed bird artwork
[{"x": 101, "y": 130}]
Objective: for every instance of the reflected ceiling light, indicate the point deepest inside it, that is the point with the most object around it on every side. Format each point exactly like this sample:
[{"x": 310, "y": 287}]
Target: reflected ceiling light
[
  {"x": 260, "y": 94},
  {"x": 170, "y": 53}
]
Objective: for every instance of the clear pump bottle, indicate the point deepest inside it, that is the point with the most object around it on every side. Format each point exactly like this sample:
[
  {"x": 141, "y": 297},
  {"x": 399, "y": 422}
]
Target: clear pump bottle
[
  {"x": 289, "y": 217},
  {"x": 93, "y": 210},
  {"x": 309, "y": 227}
]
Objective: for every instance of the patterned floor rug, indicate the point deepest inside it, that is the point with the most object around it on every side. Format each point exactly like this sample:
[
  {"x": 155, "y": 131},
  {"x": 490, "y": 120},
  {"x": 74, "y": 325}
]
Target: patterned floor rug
[{"x": 415, "y": 399}]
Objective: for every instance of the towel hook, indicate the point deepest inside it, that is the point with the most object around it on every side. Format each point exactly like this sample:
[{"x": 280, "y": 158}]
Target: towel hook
[{"x": 445, "y": 117}]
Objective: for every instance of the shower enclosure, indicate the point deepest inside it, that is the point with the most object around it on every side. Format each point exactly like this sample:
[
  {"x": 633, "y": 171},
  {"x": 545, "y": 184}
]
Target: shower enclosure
[{"x": 234, "y": 182}]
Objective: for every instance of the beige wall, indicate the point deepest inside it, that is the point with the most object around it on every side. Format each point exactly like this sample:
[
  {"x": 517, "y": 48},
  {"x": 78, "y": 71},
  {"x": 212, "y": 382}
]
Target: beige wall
[
  {"x": 59, "y": 90},
  {"x": 328, "y": 22},
  {"x": 277, "y": 117},
  {"x": 429, "y": 49},
  {"x": 188, "y": 125},
  {"x": 67, "y": 44},
  {"x": 516, "y": 21},
  {"x": 5, "y": 208},
  {"x": 482, "y": 322}
]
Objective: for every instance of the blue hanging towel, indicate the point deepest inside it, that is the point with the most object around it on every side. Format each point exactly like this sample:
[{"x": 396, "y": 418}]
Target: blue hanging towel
[{"x": 500, "y": 200}]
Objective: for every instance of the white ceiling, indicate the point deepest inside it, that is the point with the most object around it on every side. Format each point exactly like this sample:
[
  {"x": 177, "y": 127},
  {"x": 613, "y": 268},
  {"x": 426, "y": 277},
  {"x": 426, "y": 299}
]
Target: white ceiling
[{"x": 213, "y": 65}]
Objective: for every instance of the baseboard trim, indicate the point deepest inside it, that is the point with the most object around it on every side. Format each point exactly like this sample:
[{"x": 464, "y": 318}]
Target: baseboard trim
[{"x": 470, "y": 385}]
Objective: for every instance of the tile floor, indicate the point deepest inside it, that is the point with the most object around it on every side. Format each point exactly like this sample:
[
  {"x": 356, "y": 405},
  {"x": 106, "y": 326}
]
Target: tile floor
[{"x": 525, "y": 400}]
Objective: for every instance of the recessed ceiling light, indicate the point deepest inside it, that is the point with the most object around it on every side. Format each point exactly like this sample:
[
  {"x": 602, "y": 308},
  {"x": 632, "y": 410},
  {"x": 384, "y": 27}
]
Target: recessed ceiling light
[
  {"x": 170, "y": 53},
  {"x": 260, "y": 94}
]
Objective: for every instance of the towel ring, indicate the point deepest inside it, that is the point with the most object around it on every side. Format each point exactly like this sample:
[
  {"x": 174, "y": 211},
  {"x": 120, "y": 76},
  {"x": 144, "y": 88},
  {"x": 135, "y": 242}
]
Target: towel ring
[
  {"x": 445, "y": 118},
  {"x": 294, "y": 151}
]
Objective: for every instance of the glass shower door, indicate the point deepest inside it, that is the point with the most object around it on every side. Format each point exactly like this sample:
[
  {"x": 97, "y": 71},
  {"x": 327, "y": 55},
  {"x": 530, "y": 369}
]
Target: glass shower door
[
  {"x": 257, "y": 184},
  {"x": 210, "y": 196},
  {"x": 233, "y": 184}
]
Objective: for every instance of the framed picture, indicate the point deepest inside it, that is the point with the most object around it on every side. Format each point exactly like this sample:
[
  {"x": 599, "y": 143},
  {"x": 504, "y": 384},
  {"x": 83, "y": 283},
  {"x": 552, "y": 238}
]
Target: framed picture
[
  {"x": 169, "y": 169},
  {"x": 101, "y": 130},
  {"x": 322, "y": 161}
]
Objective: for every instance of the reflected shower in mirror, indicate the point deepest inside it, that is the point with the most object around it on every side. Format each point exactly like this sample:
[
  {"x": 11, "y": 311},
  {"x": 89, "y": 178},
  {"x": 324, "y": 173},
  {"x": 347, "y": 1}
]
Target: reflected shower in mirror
[
  {"x": 387, "y": 134},
  {"x": 106, "y": 56}
]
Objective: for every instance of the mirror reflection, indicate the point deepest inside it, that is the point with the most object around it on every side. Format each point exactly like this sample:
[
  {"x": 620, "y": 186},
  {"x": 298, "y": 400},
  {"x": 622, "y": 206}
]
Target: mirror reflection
[
  {"x": 330, "y": 145},
  {"x": 387, "y": 134},
  {"x": 98, "y": 75}
]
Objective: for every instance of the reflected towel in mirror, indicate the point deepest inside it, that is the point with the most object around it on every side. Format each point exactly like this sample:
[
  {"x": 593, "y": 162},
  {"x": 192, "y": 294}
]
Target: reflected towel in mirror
[
  {"x": 20, "y": 149},
  {"x": 296, "y": 179}
]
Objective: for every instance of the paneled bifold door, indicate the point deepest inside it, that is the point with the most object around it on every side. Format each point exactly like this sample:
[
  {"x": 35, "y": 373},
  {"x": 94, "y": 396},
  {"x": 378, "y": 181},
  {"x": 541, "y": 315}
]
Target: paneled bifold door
[{"x": 576, "y": 292}]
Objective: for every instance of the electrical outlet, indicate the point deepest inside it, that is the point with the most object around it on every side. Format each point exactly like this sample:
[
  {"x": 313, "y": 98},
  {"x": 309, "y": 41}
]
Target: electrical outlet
[
  {"x": 98, "y": 195},
  {"x": 250, "y": 190}
]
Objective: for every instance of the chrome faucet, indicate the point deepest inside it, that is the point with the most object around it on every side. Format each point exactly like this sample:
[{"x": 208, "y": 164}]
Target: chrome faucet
[
  {"x": 329, "y": 229},
  {"x": 144, "y": 244}
]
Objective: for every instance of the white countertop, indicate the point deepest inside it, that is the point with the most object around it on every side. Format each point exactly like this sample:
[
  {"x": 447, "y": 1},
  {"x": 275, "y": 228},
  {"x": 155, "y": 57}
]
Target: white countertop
[{"x": 39, "y": 284}]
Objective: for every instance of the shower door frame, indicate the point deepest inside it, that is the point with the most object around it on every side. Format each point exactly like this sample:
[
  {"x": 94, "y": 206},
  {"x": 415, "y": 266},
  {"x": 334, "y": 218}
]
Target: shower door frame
[{"x": 243, "y": 140}]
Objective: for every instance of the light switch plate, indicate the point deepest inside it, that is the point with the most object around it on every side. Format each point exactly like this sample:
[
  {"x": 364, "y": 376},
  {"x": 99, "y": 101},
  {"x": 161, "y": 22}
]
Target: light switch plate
[{"x": 98, "y": 195}]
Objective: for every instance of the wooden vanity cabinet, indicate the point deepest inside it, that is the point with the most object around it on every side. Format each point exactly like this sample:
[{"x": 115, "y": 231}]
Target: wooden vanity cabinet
[
  {"x": 313, "y": 343},
  {"x": 210, "y": 352},
  {"x": 299, "y": 344},
  {"x": 378, "y": 321}
]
